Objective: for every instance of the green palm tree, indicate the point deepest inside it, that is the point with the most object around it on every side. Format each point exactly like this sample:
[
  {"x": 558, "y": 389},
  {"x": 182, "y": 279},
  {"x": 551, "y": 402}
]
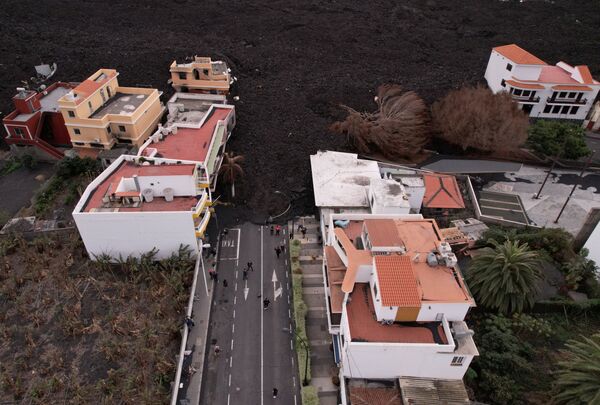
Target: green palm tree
[
  {"x": 231, "y": 169},
  {"x": 579, "y": 375},
  {"x": 505, "y": 277}
]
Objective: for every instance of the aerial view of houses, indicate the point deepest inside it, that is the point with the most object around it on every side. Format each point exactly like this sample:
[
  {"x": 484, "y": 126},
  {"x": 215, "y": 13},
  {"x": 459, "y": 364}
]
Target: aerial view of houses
[{"x": 333, "y": 203}]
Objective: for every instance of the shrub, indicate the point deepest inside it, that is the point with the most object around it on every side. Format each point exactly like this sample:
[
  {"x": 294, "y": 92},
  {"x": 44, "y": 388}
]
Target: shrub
[
  {"x": 578, "y": 377},
  {"x": 479, "y": 119},
  {"x": 309, "y": 395},
  {"x": 399, "y": 127},
  {"x": 558, "y": 139}
]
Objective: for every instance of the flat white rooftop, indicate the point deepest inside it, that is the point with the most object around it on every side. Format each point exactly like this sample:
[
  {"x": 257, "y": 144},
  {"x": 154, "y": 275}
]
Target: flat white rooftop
[{"x": 341, "y": 179}]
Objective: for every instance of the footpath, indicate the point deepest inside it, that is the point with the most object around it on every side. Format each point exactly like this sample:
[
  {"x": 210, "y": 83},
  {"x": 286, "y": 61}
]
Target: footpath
[{"x": 313, "y": 291}]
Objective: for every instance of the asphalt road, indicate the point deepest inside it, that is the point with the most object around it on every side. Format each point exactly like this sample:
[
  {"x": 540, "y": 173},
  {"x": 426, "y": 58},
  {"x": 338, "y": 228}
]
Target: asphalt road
[{"x": 256, "y": 352}]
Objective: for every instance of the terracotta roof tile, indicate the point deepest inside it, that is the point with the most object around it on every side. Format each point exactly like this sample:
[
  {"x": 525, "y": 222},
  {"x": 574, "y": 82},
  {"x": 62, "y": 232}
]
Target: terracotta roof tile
[
  {"x": 521, "y": 85},
  {"x": 574, "y": 88},
  {"x": 441, "y": 191},
  {"x": 397, "y": 282},
  {"x": 375, "y": 396},
  {"x": 518, "y": 55},
  {"x": 383, "y": 232},
  {"x": 585, "y": 73}
]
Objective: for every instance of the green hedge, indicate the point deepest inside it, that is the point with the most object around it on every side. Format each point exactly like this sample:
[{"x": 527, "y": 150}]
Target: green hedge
[
  {"x": 589, "y": 307},
  {"x": 300, "y": 322},
  {"x": 310, "y": 395}
]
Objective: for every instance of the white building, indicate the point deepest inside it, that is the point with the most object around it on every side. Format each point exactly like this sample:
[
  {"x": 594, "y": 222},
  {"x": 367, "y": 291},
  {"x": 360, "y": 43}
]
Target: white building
[
  {"x": 197, "y": 130},
  {"x": 395, "y": 299},
  {"x": 139, "y": 204},
  {"x": 592, "y": 121},
  {"x": 542, "y": 91},
  {"x": 343, "y": 183}
]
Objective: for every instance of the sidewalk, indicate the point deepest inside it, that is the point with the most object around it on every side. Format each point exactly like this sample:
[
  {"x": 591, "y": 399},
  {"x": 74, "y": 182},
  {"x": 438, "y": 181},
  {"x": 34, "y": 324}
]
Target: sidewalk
[
  {"x": 311, "y": 262},
  {"x": 196, "y": 343}
]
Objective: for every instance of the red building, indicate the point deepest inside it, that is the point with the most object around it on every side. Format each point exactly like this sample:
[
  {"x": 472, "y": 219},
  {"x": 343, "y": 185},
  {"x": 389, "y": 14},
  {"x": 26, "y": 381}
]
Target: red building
[{"x": 37, "y": 121}]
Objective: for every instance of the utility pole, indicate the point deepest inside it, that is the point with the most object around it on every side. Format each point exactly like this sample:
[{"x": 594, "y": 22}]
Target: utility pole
[
  {"x": 585, "y": 166},
  {"x": 537, "y": 196}
]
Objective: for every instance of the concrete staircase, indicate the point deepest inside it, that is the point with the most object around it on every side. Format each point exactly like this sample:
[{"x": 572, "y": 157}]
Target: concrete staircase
[{"x": 311, "y": 261}]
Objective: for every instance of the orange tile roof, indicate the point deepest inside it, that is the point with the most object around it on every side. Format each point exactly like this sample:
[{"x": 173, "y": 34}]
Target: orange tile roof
[
  {"x": 383, "y": 232},
  {"x": 397, "y": 282},
  {"x": 521, "y": 85},
  {"x": 518, "y": 55},
  {"x": 585, "y": 73},
  {"x": 576, "y": 88},
  {"x": 375, "y": 396},
  {"x": 441, "y": 191},
  {"x": 365, "y": 327}
]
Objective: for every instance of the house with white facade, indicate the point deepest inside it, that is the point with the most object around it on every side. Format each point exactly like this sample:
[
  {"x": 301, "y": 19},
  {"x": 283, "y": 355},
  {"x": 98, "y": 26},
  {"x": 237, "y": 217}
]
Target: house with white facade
[
  {"x": 197, "y": 130},
  {"x": 542, "y": 90},
  {"x": 396, "y": 300},
  {"x": 343, "y": 183},
  {"x": 140, "y": 204}
]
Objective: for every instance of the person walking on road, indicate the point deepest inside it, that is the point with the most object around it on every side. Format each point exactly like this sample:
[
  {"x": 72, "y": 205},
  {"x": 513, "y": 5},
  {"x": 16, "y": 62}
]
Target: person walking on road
[
  {"x": 211, "y": 273},
  {"x": 266, "y": 303},
  {"x": 303, "y": 230},
  {"x": 189, "y": 322},
  {"x": 217, "y": 350},
  {"x": 278, "y": 251},
  {"x": 245, "y": 274},
  {"x": 275, "y": 392},
  {"x": 250, "y": 266},
  {"x": 272, "y": 229},
  {"x": 282, "y": 247},
  {"x": 277, "y": 230},
  {"x": 224, "y": 283},
  {"x": 216, "y": 276}
]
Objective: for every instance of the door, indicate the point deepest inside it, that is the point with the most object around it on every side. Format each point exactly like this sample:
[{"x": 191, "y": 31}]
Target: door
[
  {"x": 196, "y": 74},
  {"x": 527, "y": 108},
  {"x": 407, "y": 314}
]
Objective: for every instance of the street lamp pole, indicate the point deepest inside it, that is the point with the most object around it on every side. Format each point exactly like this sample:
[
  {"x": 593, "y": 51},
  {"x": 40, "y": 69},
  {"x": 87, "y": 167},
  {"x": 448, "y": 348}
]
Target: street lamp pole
[{"x": 306, "y": 348}]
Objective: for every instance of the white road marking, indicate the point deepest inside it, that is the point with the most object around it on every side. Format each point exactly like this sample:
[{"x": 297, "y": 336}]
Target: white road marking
[
  {"x": 293, "y": 366},
  {"x": 291, "y": 345},
  {"x": 262, "y": 365},
  {"x": 246, "y": 290},
  {"x": 231, "y": 344},
  {"x": 286, "y": 262},
  {"x": 230, "y": 361},
  {"x": 234, "y": 314},
  {"x": 289, "y": 313},
  {"x": 294, "y": 377},
  {"x": 277, "y": 293},
  {"x": 235, "y": 300},
  {"x": 295, "y": 403},
  {"x": 236, "y": 287},
  {"x": 230, "y": 379},
  {"x": 236, "y": 274},
  {"x": 232, "y": 328},
  {"x": 238, "y": 246},
  {"x": 228, "y": 397}
]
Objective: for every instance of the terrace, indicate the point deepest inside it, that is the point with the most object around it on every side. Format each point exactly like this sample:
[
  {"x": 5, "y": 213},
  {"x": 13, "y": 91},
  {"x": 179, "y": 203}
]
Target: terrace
[
  {"x": 120, "y": 104},
  {"x": 364, "y": 326}
]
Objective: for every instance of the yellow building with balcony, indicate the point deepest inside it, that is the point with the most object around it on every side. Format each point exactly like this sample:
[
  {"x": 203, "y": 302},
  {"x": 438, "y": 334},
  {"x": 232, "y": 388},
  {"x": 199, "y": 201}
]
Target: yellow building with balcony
[
  {"x": 99, "y": 113},
  {"x": 202, "y": 75}
]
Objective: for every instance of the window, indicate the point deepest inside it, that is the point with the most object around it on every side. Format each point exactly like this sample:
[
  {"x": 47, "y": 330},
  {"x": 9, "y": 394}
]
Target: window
[
  {"x": 71, "y": 113},
  {"x": 76, "y": 131},
  {"x": 562, "y": 94},
  {"x": 574, "y": 110},
  {"x": 572, "y": 94},
  {"x": 526, "y": 93},
  {"x": 555, "y": 109},
  {"x": 182, "y": 75},
  {"x": 90, "y": 106},
  {"x": 457, "y": 361},
  {"x": 547, "y": 109},
  {"x": 96, "y": 145},
  {"x": 565, "y": 109},
  {"x": 78, "y": 143},
  {"x": 205, "y": 72},
  {"x": 517, "y": 92},
  {"x": 122, "y": 128},
  {"x": 124, "y": 140},
  {"x": 19, "y": 132},
  {"x": 375, "y": 289},
  {"x": 508, "y": 67},
  {"x": 108, "y": 129},
  {"x": 503, "y": 83}
]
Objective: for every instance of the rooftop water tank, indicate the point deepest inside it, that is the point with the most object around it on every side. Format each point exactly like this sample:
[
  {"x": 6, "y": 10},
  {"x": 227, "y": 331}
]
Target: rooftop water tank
[
  {"x": 148, "y": 194},
  {"x": 168, "y": 192}
]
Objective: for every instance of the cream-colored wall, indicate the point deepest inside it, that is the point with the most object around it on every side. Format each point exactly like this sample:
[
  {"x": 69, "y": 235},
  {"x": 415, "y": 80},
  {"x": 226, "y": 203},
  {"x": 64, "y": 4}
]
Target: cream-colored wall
[
  {"x": 210, "y": 81},
  {"x": 82, "y": 109}
]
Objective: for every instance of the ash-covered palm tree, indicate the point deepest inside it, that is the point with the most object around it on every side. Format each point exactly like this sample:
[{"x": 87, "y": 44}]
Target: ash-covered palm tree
[
  {"x": 504, "y": 278},
  {"x": 231, "y": 169},
  {"x": 578, "y": 377},
  {"x": 399, "y": 127}
]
